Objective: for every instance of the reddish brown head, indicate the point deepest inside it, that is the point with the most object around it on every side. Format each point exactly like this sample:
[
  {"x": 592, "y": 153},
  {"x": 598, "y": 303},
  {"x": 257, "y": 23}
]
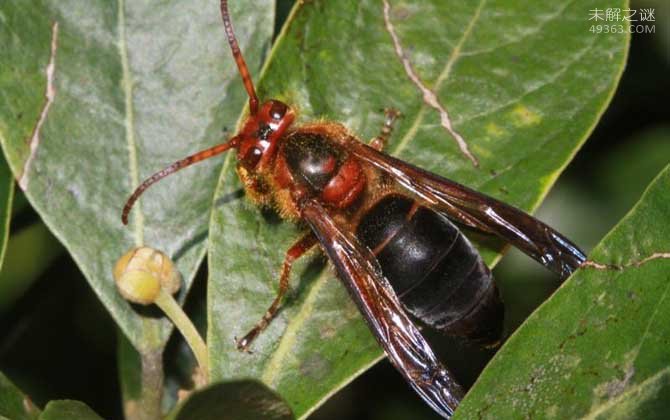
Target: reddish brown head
[
  {"x": 259, "y": 136},
  {"x": 264, "y": 126}
]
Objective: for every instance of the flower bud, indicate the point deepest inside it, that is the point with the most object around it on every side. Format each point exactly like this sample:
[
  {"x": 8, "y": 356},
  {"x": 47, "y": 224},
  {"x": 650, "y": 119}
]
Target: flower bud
[{"x": 142, "y": 272}]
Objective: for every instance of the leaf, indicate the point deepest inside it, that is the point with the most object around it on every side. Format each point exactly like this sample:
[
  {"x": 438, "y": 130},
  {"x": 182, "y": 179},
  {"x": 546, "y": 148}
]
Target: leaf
[
  {"x": 601, "y": 195},
  {"x": 13, "y": 403},
  {"x": 603, "y": 335},
  {"x": 137, "y": 86},
  {"x": 129, "y": 363},
  {"x": 244, "y": 399},
  {"x": 68, "y": 410},
  {"x": 31, "y": 252},
  {"x": 6, "y": 195},
  {"x": 524, "y": 85},
  {"x": 647, "y": 400}
]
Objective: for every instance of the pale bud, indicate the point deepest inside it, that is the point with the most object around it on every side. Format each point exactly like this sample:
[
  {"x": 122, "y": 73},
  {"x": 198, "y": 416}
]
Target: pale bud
[{"x": 142, "y": 272}]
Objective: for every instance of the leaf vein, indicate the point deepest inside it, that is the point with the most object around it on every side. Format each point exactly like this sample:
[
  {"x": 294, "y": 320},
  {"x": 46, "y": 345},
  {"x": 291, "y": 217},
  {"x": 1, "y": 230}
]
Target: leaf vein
[
  {"x": 552, "y": 78},
  {"x": 49, "y": 96},
  {"x": 627, "y": 395},
  {"x": 127, "y": 86},
  {"x": 453, "y": 57},
  {"x": 288, "y": 338},
  {"x": 645, "y": 334},
  {"x": 523, "y": 36}
]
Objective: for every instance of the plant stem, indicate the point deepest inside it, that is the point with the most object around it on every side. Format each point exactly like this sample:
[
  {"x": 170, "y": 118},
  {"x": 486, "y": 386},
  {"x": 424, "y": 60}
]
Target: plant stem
[
  {"x": 166, "y": 302},
  {"x": 152, "y": 386},
  {"x": 141, "y": 379}
]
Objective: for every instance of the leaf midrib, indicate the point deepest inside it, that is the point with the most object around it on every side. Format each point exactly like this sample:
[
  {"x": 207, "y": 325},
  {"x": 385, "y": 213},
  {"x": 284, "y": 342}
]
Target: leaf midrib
[{"x": 127, "y": 86}]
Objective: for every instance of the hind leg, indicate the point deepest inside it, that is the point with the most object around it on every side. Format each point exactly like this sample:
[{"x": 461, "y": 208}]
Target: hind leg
[{"x": 380, "y": 141}]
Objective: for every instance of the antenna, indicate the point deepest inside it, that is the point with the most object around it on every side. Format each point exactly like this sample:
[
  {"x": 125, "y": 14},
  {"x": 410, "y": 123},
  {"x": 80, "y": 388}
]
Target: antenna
[
  {"x": 237, "y": 54},
  {"x": 180, "y": 164}
]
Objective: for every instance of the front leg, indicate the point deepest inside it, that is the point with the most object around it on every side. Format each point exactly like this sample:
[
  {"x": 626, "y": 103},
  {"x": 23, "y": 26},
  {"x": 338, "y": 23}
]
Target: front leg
[{"x": 298, "y": 249}]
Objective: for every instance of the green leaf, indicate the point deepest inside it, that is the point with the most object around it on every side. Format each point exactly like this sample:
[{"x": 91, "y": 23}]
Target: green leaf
[
  {"x": 646, "y": 400},
  {"x": 244, "y": 399},
  {"x": 524, "y": 84},
  {"x": 6, "y": 195},
  {"x": 68, "y": 410},
  {"x": 31, "y": 251},
  {"x": 137, "y": 86},
  {"x": 599, "y": 346},
  {"x": 13, "y": 403},
  {"x": 129, "y": 363}
]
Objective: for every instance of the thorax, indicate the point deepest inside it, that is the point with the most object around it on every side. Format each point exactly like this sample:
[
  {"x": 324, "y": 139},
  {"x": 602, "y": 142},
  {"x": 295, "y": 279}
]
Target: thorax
[{"x": 313, "y": 159}]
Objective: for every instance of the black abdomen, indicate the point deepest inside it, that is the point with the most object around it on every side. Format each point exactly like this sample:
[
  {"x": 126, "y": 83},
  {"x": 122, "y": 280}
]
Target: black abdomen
[{"x": 436, "y": 272}]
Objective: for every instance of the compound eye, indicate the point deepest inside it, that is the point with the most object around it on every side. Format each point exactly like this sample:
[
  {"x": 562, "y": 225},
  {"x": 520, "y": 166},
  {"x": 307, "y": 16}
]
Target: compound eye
[{"x": 278, "y": 110}]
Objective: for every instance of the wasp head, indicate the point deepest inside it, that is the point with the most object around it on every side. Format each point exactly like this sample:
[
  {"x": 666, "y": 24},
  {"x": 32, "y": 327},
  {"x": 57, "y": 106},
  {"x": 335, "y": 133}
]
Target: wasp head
[{"x": 259, "y": 136}]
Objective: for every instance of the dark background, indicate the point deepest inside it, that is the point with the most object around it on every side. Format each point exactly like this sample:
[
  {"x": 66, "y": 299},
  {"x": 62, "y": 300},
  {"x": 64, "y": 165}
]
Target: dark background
[{"x": 57, "y": 341}]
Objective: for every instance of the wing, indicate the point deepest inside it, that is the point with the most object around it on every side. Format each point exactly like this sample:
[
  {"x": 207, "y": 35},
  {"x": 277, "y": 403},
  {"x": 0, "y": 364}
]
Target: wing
[
  {"x": 405, "y": 347},
  {"x": 481, "y": 212}
]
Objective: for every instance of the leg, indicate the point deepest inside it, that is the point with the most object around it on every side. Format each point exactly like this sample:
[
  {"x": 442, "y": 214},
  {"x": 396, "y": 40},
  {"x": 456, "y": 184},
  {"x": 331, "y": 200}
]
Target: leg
[
  {"x": 298, "y": 249},
  {"x": 379, "y": 142}
]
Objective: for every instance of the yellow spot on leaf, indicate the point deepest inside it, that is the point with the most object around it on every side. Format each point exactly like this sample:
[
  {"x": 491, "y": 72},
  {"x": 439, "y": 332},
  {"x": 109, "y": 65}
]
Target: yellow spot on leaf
[
  {"x": 481, "y": 152},
  {"x": 494, "y": 130},
  {"x": 522, "y": 116},
  {"x": 552, "y": 412}
]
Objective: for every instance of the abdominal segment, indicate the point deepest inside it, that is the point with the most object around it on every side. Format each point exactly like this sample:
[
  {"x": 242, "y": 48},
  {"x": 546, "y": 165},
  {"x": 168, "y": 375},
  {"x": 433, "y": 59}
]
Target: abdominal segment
[{"x": 438, "y": 275}]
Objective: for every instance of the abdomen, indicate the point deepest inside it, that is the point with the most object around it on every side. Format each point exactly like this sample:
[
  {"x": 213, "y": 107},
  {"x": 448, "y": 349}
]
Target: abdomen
[{"x": 438, "y": 275}]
